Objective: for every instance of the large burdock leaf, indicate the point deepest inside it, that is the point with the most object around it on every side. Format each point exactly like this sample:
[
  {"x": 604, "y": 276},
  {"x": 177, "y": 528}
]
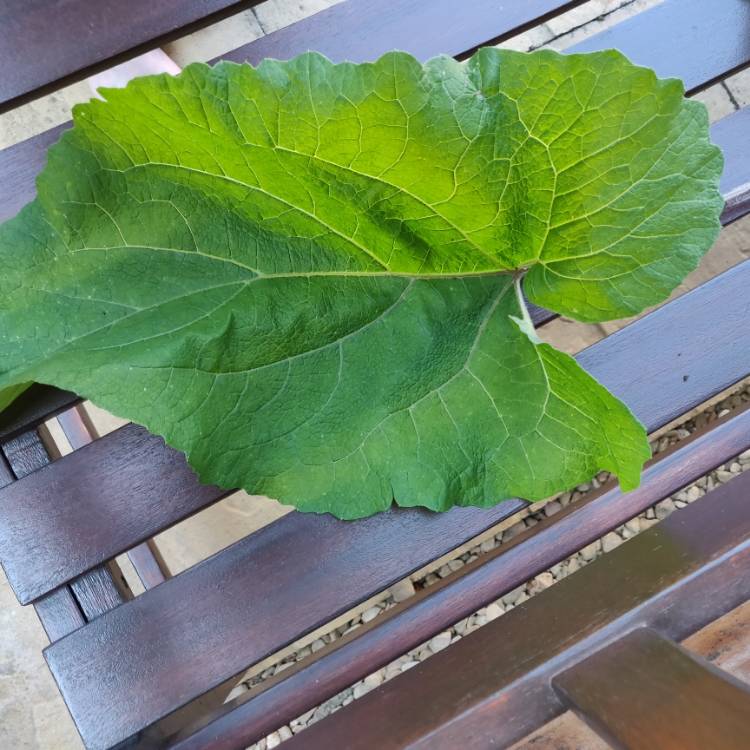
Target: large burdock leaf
[{"x": 305, "y": 275}]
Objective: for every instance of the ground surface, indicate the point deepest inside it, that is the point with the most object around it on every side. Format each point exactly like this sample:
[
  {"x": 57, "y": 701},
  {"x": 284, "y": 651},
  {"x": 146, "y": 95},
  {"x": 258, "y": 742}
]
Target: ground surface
[{"x": 32, "y": 715}]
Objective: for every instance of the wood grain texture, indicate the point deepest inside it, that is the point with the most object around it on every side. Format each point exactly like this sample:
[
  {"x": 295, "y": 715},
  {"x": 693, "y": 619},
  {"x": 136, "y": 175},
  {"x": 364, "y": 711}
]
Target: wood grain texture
[
  {"x": 644, "y": 691},
  {"x": 99, "y": 590},
  {"x": 493, "y": 687},
  {"x": 407, "y": 625},
  {"x": 149, "y": 564},
  {"x": 45, "y": 45},
  {"x": 92, "y": 505},
  {"x": 145, "y": 557},
  {"x": 59, "y": 610}
]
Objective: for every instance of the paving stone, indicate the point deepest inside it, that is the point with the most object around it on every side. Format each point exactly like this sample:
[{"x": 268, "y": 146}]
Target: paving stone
[
  {"x": 275, "y": 14},
  {"x": 717, "y": 101},
  {"x": 739, "y": 86},
  {"x": 216, "y": 39}
]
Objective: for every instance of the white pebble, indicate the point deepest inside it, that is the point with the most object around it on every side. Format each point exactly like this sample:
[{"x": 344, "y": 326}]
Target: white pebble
[
  {"x": 611, "y": 541},
  {"x": 370, "y": 614},
  {"x": 493, "y": 611},
  {"x": 402, "y": 590},
  {"x": 440, "y": 641}
]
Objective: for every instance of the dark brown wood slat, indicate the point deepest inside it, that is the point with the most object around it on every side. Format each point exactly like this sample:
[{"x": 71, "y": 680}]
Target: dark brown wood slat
[
  {"x": 58, "y": 611},
  {"x": 735, "y": 181},
  {"x": 99, "y": 590},
  {"x": 362, "y": 30},
  {"x": 148, "y": 562},
  {"x": 46, "y": 45},
  {"x": 94, "y": 503},
  {"x": 644, "y": 692},
  {"x": 694, "y": 40},
  {"x": 26, "y": 453},
  {"x": 127, "y": 486},
  {"x": 19, "y": 165},
  {"x": 494, "y": 686},
  {"x": 406, "y": 626},
  {"x": 34, "y": 406},
  {"x": 146, "y": 559}
]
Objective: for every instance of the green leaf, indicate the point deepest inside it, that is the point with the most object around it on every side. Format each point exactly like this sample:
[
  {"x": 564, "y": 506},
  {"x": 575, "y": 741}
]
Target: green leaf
[{"x": 300, "y": 274}]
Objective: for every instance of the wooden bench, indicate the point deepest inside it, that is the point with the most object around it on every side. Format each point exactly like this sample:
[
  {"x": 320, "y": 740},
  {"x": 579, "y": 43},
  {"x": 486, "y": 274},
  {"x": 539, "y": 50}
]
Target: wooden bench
[{"x": 126, "y": 664}]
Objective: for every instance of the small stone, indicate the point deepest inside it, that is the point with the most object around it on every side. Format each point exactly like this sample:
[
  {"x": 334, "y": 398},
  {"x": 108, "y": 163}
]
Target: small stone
[
  {"x": 530, "y": 521},
  {"x": 487, "y": 545},
  {"x": 493, "y": 611},
  {"x": 633, "y": 525},
  {"x": 513, "y": 531},
  {"x": 611, "y": 541},
  {"x": 461, "y": 626},
  {"x": 665, "y": 507},
  {"x": 692, "y": 494},
  {"x": 735, "y": 468},
  {"x": 650, "y": 513},
  {"x": 573, "y": 564},
  {"x": 455, "y": 565},
  {"x": 392, "y": 670},
  {"x": 744, "y": 457},
  {"x": 558, "y": 571},
  {"x": 281, "y": 667},
  {"x": 285, "y": 733},
  {"x": 723, "y": 475},
  {"x": 237, "y": 690},
  {"x": 513, "y": 596},
  {"x": 374, "y": 679},
  {"x": 402, "y": 590},
  {"x": 370, "y": 614},
  {"x": 552, "y": 507},
  {"x": 546, "y": 579},
  {"x": 723, "y": 413},
  {"x": 590, "y": 551},
  {"x": 565, "y": 499},
  {"x": 479, "y": 619},
  {"x": 360, "y": 689},
  {"x": 304, "y": 719},
  {"x": 408, "y": 665},
  {"x": 647, "y": 523},
  {"x": 273, "y": 740},
  {"x": 431, "y": 578},
  {"x": 444, "y": 571},
  {"x": 440, "y": 641}
]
